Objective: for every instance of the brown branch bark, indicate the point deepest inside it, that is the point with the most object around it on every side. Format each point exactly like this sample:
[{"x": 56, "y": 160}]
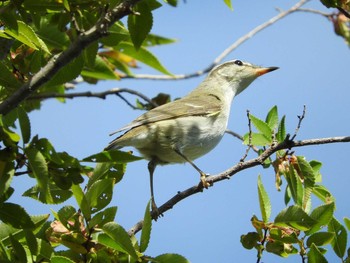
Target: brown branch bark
[
  {"x": 212, "y": 179},
  {"x": 59, "y": 61}
]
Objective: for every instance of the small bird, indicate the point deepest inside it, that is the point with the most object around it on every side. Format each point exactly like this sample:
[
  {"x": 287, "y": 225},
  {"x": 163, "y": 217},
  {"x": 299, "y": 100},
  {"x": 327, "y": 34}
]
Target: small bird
[{"x": 188, "y": 128}]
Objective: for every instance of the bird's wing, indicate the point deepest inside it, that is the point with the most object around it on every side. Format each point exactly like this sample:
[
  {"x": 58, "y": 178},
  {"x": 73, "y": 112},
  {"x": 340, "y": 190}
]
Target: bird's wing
[{"x": 193, "y": 106}]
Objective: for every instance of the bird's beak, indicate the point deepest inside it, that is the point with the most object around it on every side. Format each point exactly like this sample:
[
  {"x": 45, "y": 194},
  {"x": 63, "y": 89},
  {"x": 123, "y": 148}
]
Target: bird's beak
[{"x": 262, "y": 71}]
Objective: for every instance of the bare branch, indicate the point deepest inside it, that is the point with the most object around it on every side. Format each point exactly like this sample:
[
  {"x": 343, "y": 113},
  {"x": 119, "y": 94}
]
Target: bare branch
[
  {"x": 74, "y": 50},
  {"x": 286, "y": 144},
  {"x": 100, "y": 95},
  {"x": 299, "y": 123},
  {"x": 227, "y": 51}
]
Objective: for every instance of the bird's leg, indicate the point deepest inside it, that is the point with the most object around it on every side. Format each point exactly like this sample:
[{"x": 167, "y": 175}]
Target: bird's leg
[
  {"x": 203, "y": 175},
  {"x": 151, "y": 167}
]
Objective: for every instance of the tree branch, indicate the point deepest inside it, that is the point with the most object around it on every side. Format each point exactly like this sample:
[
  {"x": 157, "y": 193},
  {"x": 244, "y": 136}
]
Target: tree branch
[
  {"x": 227, "y": 51},
  {"x": 286, "y": 144},
  {"x": 90, "y": 94},
  {"x": 60, "y": 60}
]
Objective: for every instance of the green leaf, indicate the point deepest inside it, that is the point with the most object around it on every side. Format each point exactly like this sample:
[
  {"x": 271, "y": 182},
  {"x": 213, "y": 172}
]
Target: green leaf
[
  {"x": 89, "y": 54},
  {"x": 315, "y": 256},
  {"x": 155, "y": 40},
  {"x": 264, "y": 201},
  {"x": 140, "y": 23},
  {"x": 170, "y": 258},
  {"x": 31, "y": 241},
  {"x": 99, "y": 172},
  {"x": 7, "y": 171},
  {"x": 99, "y": 195},
  {"x": 347, "y": 223},
  {"x": 171, "y": 2},
  {"x": 281, "y": 132},
  {"x": 24, "y": 124},
  {"x": 146, "y": 229},
  {"x": 101, "y": 69},
  {"x": 65, "y": 214},
  {"x": 257, "y": 139},
  {"x": 39, "y": 169},
  {"x": 44, "y": 251},
  {"x": 27, "y": 36},
  {"x": 142, "y": 55},
  {"x": 323, "y": 214},
  {"x": 60, "y": 259},
  {"x": 323, "y": 193},
  {"x": 320, "y": 239},
  {"x": 49, "y": 195},
  {"x": 115, "y": 156},
  {"x": 18, "y": 253},
  {"x": 285, "y": 235},
  {"x": 81, "y": 200},
  {"x": 15, "y": 215},
  {"x": 272, "y": 118},
  {"x": 295, "y": 185},
  {"x": 103, "y": 217},
  {"x": 7, "y": 79},
  {"x": 340, "y": 237},
  {"x": 262, "y": 127},
  {"x": 250, "y": 240},
  {"x": 229, "y": 4},
  {"x": 67, "y": 73},
  {"x": 295, "y": 217},
  {"x": 6, "y": 230},
  {"x": 52, "y": 36},
  {"x": 281, "y": 249},
  {"x": 120, "y": 237},
  {"x": 116, "y": 33}
]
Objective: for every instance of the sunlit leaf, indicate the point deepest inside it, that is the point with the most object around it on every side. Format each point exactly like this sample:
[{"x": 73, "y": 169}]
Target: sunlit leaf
[
  {"x": 140, "y": 23},
  {"x": 320, "y": 239},
  {"x": 27, "y": 36},
  {"x": 339, "y": 241},
  {"x": 24, "y": 124},
  {"x": 100, "y": 194},
  {"x": 121, "y": 237},
  {"x": 262, "y": 127},
  {"x": 15, "y": 215},
  {"x": 264, "y": 201},
  {"x": 146, "y": 229},
  {"x": 229, "y": 4},
  {"x": 272, "y": 118},
  {"x": 171, "y": 258},
  {"x": 142, "y": 55},
  {"x": 294, "y": 216},
  {"x": 315, "y": 256}
]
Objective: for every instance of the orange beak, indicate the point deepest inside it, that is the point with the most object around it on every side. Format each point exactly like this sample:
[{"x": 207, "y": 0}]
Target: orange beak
[{"x": 262, "y": 71}]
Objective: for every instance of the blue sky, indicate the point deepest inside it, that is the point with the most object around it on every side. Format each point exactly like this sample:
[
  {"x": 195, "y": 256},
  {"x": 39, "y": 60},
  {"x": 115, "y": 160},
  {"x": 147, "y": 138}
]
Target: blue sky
[{"x": 314, "y": 70}]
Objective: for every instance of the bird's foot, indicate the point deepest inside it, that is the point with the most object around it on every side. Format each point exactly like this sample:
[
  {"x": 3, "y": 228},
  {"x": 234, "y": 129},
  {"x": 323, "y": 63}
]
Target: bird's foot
[
  {"x": 204, "y": 183},
  {"x": 155, "y": 212}
]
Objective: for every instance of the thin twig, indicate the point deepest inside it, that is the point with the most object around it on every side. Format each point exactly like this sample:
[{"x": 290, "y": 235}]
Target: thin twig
[
  {"x": 212, "y": 179},
  {"x": 227, "y": 51},
  {"x": 100, "y": 95},
  {"x": 240, "y": 137},
  {"x": 299, "y": 123},
  {"x": 249, "y": 138}
]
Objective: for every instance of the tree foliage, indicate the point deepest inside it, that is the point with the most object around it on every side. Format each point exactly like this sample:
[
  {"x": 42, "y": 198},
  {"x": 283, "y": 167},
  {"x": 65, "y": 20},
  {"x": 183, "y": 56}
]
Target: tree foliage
[{"x": 37, "y": 40}]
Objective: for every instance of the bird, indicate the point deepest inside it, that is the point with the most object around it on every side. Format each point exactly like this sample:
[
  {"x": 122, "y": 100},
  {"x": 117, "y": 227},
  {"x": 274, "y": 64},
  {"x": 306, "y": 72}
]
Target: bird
[{"x": 188, "y": 128}]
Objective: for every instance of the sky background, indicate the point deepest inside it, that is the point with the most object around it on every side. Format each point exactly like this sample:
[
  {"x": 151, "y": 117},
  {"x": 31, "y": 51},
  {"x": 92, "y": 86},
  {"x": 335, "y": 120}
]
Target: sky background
[{"x": 314, "y": 71}]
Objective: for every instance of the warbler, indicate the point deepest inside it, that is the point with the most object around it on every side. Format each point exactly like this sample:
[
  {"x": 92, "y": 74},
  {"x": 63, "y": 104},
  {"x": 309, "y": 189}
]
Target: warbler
[{"x": 185, "y": 129}]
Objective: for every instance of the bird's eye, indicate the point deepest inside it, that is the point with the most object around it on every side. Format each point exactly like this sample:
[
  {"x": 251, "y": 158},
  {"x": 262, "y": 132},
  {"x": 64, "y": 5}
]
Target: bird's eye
[{"x": 238, "y": 62}]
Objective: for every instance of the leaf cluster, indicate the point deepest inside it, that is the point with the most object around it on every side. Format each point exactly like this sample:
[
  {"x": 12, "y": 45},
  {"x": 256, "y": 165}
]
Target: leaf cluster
[{"x": 298, "y": 228}]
